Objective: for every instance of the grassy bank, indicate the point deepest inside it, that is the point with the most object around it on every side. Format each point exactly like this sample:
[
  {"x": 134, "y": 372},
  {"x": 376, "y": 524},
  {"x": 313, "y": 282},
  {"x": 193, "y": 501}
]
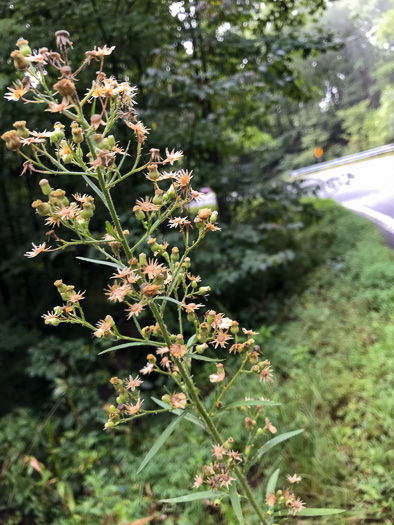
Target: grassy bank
[{"x": 336, "y": 348}]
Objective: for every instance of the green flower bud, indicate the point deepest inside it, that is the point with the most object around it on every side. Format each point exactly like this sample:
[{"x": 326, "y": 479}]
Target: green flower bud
[
  {"x": 200, "y": 349},
  {"x": 111, "y": 141},
  {"x": 109, "y": 425}
]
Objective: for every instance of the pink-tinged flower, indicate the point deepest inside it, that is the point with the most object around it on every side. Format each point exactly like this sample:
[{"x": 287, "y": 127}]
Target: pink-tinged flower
[
  {"x": 197, "y": 195},
  {"x": 198, "y": 480},
  {"x": 178, "y": 350},
  {"x": 269, "y": 426},
  {"x": 221, "y": 339},
  {"x": 249, "y": 332},
  {"x": 178, "y": 400},
  {"x": 162, "y": 350},
  {"x": 266, "y": 374},
  {"x": 155, "y": 154},
  {"x": 294, "y": 479},
  {"x": 117, "y": 293},
  {"x": 225, "y": 480},
  {"x": 134, "y": 383},
  {"x": 212, "y": 227},
  {"x": 218, "y": 451},
  {"x": 80, "y": 198},
  {"x": 52, "y": 221},
  {"x": 298, "y": 506},
  {"x": 219, "y": 376},
  {"x": 100, "y": 52},
  {"x": 75, "y": 298},
  {"x": 32, "y": 140},
  {"x": 50, "y": 318},
  {"x": 176, "y": 221},
  {"x": 271, "y": 500},
  {"x": 140, "y": 130},
  {"x": 103, "y": 327},
  {"x": 194, "y": 279},
  {"x": 191, "y": 307},
  {"x": 148, "y": 368},
  {"x": 17, "y": 92},
  {"x": 135, "y": 309},
  {"x": 56, "y": 108},
  {"x": 165, "y": 362},
  {"x": 133, "y": 409},
  {"x": 153, "y": 269},
  {"x": 67, "y": 213},
  {"x": 236, "y": 456},
  {"x": 37, "y": 249},
  {"x": 219, "y": 321},
  {"x": 173, "y": 156},
  {"x": 183, "y": 178}
]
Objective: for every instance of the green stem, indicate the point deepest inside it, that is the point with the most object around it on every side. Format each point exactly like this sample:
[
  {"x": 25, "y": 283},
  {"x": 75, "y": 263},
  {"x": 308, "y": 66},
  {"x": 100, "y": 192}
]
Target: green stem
[{"x": 204, "y": 414}]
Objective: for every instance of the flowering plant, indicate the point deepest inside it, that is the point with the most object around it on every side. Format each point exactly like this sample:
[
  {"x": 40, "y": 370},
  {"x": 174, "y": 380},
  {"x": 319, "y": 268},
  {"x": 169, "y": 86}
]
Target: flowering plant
[{"x": 148, "y": 274}]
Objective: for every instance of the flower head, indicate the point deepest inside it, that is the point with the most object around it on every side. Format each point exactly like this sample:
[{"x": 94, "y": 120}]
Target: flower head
[
  {"x": 294, "y": 479},
  {"x": 173, "y": 156},
  {"x": 17, "y": 92},
  {"x": 178, "y": 400},
  {"x": 133, "y": 383},
  {"x": 133, "y": 409},
  {"x": 37, "y": 249}
]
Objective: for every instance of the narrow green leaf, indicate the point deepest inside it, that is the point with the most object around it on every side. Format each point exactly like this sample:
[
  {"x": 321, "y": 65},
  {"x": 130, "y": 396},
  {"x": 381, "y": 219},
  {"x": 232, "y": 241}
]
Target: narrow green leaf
[
  {"x": 271, "y": 485},
  {"x": 190, "y": 341},
  {"x": 126, "y": 345},
  {"x": 178, "y": 412},
  {"x": 250, "y": 402},
  {"x": 272, "y": 443},
  {"x": 160, "y": 441},
  {"x": 95, "y": 188},
  {"x": 206, "y": 494},
  {"x": 165, "y": 298},
  {"x": 314, "y": 512},
  {"x": 97, "y": 261},
  {"x": 111, "y": 231},
  {"x": 203, "y": 358},
  {"x": 236, "y": 503}
]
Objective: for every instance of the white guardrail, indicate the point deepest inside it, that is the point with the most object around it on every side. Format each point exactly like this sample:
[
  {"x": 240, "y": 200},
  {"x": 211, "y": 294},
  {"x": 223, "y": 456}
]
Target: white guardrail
[{"x": 343, "y": 160}]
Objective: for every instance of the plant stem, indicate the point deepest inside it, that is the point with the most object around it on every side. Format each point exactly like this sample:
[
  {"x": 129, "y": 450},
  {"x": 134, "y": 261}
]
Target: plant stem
[{"x": 204, "y": 414}]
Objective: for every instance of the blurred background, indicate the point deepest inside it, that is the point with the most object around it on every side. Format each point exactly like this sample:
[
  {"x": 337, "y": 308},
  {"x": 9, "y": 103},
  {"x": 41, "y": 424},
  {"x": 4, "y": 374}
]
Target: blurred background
[{"x": 250, "y": 91}]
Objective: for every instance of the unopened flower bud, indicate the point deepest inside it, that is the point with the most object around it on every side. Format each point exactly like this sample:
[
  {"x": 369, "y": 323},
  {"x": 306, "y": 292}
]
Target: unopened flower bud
[
  {"x": 234, "y": 329},
  {"x": 204, "y": 289},
  {"x": 214, "y": 216},
  {"x": 171, "y": 193},
  {"x": 154, "y": 246},
  {"x": 109, "y": 425},
  {"x": 146, "y": 332},
  {"x": 12, "y": 141},
  {"x": 65, "y": 87},
  {"x": 253, "y": 358},
  {"x": 140, "y": 215},
  {"x": 175, "y": 254},
  {"x": 20, "y": 61},
  {"x": 42, "y": 208},
  {"x": 111, "y": 141},
  {"x": 187, "y": 262},
  {"x": 77, "y": 133},
  {"x": 58, "y": 134},
  {"x": 21, "y": 130},
  {"x": 142, "y": 259},
  {"x": 166, "y": 399},
  {"x": 200, "y": 349},
  {"x": 198, "y": 222},
  {"x": 24, "y": 47},
  {"x": 61, "y": 287},
  {"x": 255, "y": 368},
  {"x": 45, "y": 187},
  {"x": 211, "y": 316},
  {"x": 204, "y": 329},
  {"x": 151, "y": 358},
  {"x": 263, "y": 364},
  {"x": 153, "y": 172}
]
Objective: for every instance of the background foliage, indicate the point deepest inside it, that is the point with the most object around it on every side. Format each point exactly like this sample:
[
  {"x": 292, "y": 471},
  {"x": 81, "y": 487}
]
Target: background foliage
[{"x": 247, "y": 92}]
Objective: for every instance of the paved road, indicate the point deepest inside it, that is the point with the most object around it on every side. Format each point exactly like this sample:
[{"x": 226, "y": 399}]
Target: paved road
[{"x": 366, "y": 187}]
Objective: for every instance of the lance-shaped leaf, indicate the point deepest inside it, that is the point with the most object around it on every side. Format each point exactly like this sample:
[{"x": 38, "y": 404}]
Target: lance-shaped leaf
[
  {"x": 190, "y": 341},
  {"x": 165, "y": 298},
  {"x": 111, "y": 231},
  {"x": 178, "y": 412},
  {"x": 272, "y": 443},
  {"x": 271, "y": 485},
  {"x": 314, "y": 512},
  {"x": 95, "y": 188},
  {"x": 126, "y": 345},
  {"x": 203, "y": 358},
  {"x": 160, "y": 441},
  {"x": 250, "y": 402},
  {"x": 98, "y": 261},
  {"x": 206, "y": 494},
  {"x": 236, "y": 503}
]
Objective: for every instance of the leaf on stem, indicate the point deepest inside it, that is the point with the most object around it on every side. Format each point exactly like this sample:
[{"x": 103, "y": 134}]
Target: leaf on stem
[
  {"x": 314, "y": 512},
  {"x": 95, "y": 188},
  {"x": 165, "y": 298},
  {"x": 111, "y": 231},
  {"x": 126, "y": 345},
  {"x": 271, "y": 485},
  {"x": 160, "y": 441},
  {"x": 272, "y": 443},
  {"x": 190, "y": 341},
  {"x": 250, "y": 402},
  {"x": 190, "y": 417},
  {"x": 236, "y": 503},
  {"x": 206, "y": 494},
  {"x": 203, "y": 358},
  {"x": 97, "y": 261}
]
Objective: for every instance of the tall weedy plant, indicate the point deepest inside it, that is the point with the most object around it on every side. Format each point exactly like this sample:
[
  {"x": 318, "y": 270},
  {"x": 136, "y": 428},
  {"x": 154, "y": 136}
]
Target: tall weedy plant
[{"x": 148, "y": 274}]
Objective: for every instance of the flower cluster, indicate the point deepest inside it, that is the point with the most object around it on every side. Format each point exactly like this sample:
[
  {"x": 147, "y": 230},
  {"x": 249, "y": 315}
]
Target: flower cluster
[
  {"x": 148, "y": 275},
  {"x": 286, "y": 498}
]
